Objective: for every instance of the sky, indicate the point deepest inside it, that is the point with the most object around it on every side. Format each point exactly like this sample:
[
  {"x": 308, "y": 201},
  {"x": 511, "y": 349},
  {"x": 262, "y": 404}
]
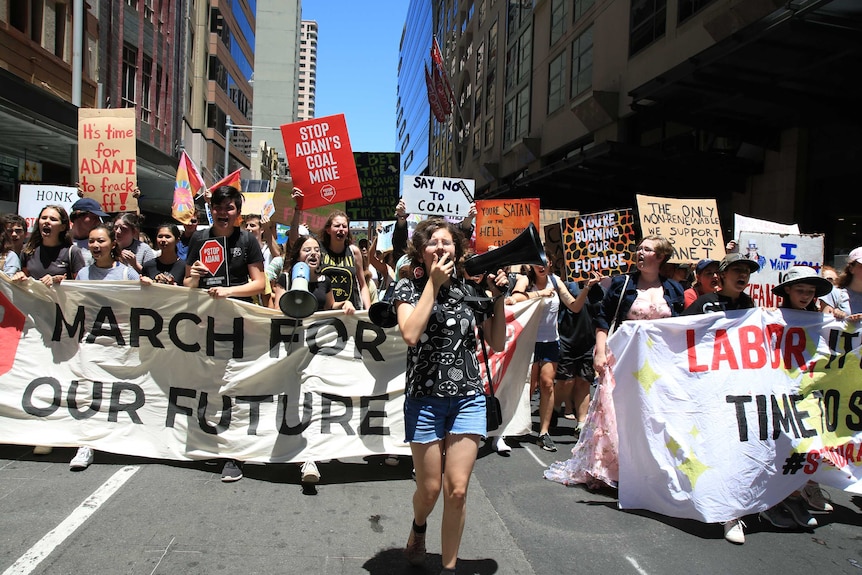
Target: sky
[{"x": 357, "y": 66}]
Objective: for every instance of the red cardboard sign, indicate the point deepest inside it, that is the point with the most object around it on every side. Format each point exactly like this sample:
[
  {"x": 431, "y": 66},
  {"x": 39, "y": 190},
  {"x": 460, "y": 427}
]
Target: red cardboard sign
[
  {"x": 212, "y": 255},
  {"x": 321, "y": 160}
]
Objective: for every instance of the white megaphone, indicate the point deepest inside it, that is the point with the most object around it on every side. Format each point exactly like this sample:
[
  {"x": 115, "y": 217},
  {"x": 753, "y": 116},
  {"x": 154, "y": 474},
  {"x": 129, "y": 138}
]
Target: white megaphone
[{"x": 298, "y": 302}]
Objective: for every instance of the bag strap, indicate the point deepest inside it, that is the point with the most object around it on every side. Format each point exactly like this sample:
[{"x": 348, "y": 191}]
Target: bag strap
[
  {"x": 487, "y": 365},
  {"x": 615, "y": 323}
]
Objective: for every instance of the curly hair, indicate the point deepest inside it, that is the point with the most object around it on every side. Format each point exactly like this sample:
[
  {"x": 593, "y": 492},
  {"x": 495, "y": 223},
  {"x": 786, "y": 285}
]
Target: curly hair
[
  {"x": 663, "y": 247},
  {"x": 422, "y": 235}
]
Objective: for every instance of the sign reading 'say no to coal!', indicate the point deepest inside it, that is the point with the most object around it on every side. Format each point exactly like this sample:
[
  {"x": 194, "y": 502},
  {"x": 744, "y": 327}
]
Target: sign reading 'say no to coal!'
[{"x": 436, "y": 196}]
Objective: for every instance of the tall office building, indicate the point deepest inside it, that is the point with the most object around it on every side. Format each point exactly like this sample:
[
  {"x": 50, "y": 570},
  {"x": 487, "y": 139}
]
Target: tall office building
[
  {"x": 220, "y": 61},
  {"x": 585, "y": 103},
  {"x": 276, "y": 73},
  {"x": 413, "y": 118},
  {"x": 307, "y": 69}
]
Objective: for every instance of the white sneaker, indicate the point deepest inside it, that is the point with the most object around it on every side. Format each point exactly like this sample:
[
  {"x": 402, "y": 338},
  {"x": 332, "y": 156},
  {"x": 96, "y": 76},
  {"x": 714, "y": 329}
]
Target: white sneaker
[
  {"x": 309, "y": 472},
  {"x": 500, "y": 445},
  {"x": 82, "y": 459},
  {"x": 734, "y": 531},
  {"x": 42, "y": 450}
]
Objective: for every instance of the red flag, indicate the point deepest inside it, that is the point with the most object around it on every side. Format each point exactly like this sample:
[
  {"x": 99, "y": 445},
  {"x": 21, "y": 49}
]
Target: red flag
[
  {"x": 188, "y": 185},
  {"x": 437, "y": 59},
  {"x": 442, "y": 96},
  {"x": 433, "y": 99},
  {"x": 232, "y": 180}
]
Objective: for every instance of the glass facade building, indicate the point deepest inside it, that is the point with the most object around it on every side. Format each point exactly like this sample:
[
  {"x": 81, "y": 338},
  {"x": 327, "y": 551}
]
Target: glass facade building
[{"x": 413, "y": 116}]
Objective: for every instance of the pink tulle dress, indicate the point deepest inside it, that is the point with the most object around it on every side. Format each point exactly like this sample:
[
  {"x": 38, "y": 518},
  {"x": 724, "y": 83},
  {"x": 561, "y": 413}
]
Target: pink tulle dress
[{"x": 594, "y": 459}]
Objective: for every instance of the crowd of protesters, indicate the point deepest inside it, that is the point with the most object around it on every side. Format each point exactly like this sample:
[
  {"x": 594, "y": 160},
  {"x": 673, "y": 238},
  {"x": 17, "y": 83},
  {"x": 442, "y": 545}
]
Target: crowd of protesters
[{"x": 443, "y": 421}]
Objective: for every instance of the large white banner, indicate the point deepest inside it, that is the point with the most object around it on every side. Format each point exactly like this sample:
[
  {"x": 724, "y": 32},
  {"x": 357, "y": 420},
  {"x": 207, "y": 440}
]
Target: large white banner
[
  {"x": 723, "y": 415},
  {"x": 168, "y": 372}
]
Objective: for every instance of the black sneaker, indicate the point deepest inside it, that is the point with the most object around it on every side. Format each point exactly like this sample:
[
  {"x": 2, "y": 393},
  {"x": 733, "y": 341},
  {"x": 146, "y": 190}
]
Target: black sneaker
[
  {"x": 232, "y": 471},
  {"x": 546, "y": 443}
]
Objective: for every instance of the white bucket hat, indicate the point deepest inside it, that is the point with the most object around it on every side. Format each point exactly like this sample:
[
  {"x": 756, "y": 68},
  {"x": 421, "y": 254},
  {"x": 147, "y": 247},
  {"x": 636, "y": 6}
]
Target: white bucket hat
[{"x": 802, "y": 275}]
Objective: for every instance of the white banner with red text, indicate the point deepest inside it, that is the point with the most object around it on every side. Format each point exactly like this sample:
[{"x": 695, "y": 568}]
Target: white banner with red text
[
  {"x": 168, "y": 372},
  {"x": 723, "y": 415}
]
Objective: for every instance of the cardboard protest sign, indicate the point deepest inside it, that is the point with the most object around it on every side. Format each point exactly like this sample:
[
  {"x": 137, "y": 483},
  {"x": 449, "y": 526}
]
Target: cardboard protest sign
[
  {"x": 437, "y": 196},
  {"x": 380, "y": 179},
  {"x": 283, "y": 207},
  {"x": 692, "y": 226},
  {"x": 107, "y": 157},
  {"x": 33, "y": 197},
  {"x": 214, "y": 257},
  {"x": 747, "y": 224},
  {"x": 257, "y": 203},
  {"x": 548, "y": 217},
  {"x": 775, "y": 254},
  {"x": 550, "y": 222},
  {"x": 603, "y": 242},
  {"x": 321, "y": 161},
  {"x": 500, "y": 221}
]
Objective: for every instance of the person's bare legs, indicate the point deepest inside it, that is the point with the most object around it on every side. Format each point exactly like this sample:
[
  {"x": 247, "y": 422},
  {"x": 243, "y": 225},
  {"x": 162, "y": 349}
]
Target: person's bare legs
[
  {"x": 428, "y": 463},
  {"x": 580, "y": 399},
  {"x": 461, "y": 451},
  {"x": 563, "y": 394},
  {"x": 547, "y": 372}
]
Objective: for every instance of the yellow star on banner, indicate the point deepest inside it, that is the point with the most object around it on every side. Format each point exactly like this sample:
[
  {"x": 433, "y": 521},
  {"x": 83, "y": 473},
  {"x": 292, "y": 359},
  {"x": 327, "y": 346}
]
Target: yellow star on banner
[
  {"x": 650, "y": 343},
  {"x": 692, "y": 468},
  {"x": 694, "y": 431},
  {"x": 673, "y": 446},
  {"x": 646, "y": 376}
]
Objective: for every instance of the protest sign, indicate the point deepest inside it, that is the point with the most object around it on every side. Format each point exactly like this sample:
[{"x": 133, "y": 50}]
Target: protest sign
[
  {"x": 548, "y": 217},
  {"x": 107, "y": 157},
  {"x": 257, "y": 203},
  {"x": 321, "y": 161},
  {"x": 283, "y": 208},
  {"x": 500, "y": 221},
  {"x": 603, "y": 242},
  {"x": 214, "y": 257},
  {"x": 775, "y": 254},
  {"x": 723, "y": 415},
  {"x": 437, "y": 196},
  {"x": 747, "y": 224},
  {"x": 168, "y": 372},
  {"x": 692, "y": 226},
  {"x": 379, "y": 178},
  {"x": 33, "y": 197}
]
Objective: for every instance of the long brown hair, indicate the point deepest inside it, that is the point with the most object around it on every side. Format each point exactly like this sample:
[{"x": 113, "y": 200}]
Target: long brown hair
[
  {"x": 36, "y": 238},
  {"x": 348, "y": 239}
]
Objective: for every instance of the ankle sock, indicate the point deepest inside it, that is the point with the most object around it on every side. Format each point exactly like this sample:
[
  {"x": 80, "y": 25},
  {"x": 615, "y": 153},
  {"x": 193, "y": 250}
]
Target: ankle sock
[{"x": 420, "y": 529}]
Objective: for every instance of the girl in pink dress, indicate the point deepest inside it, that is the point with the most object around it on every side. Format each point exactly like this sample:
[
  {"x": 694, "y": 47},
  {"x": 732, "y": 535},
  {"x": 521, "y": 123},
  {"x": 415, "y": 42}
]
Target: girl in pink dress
[{"x": 643, "y": 294}]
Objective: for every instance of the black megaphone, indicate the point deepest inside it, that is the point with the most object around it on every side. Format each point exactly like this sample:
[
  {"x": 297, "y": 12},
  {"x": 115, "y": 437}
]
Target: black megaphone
[
  {"x": 298, "y": 302},
  {"x": 525, "y": 249}
]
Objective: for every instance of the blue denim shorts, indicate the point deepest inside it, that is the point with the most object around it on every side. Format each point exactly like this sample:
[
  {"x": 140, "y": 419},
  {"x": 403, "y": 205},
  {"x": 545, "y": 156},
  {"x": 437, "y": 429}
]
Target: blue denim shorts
[
  {"x": 429, "y": 419},
  {"x": 547, "y": 351}
]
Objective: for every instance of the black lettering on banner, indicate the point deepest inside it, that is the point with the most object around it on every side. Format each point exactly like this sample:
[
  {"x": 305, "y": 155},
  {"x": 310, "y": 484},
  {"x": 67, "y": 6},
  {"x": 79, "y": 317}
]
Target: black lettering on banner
[
  {"x": 175, "y": 408},
  {"x": 855, "y": 424},
  {"x": 800, "y": 417},
  {"x": 253, "y": 402},
  {"x": 782, "y": 419},
  {"x": 223, "y": 423},
  {"x": 328, "y": 419},
  {"x": 175, "y": 337},
  {"x": 131, "y": 408},
  {"x": 830, "y": 401},
  {"x": 281, "y": 415},
  {"x": 136, "y": 331},
  {"x": 236, "y": 336},
  {"x": 27, "y": 399},
  {"x": 741, "y": 421},
  {"x": 762, "y": 419},
  {"x": 365, "y": 424},
  {"x": 361, "y": 345},
  {"x": 60, "y": 321},
  {"x": 95, "y": 403},
  {"x": 276, "y": 336},
  {"x": 106, "y": 315},
  {"x": 319, "y": 326}
]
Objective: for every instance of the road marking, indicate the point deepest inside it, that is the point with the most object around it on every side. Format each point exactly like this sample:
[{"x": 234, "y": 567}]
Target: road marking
[
  {"x": 636, "y": 566},
  {"x": 534, "y": 456},
  {"x": 163, "y": 555},
  {"x": 31, "y": 559}
]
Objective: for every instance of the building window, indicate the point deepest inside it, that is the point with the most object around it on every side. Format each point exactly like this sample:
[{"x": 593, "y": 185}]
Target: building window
[
  {"x": 489, "y": 132},
  {"x": 516, "y": 117},
  {"x": 556, "y": 82},
  {"x": 558, "y": 19},
  {"x": 130, "y": 73},
  {"x": 146, "y": 82},
  {"x": 689, "y": 7},
  {"x": 582, "y": 62},
  {"x": 60, "y": 31},
  {"x": 157, "y": 108},
  {"x": 132, "y": 3},
  {"x": 518, "y": 58},
  {"x": 148, "y": 10},
  {"x": 647, "y": 23},
  {"x": 580, "y": 7}
]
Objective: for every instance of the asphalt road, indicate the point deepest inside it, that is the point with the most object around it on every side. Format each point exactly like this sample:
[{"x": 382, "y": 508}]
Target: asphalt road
[{"x": 138, "y": 516}]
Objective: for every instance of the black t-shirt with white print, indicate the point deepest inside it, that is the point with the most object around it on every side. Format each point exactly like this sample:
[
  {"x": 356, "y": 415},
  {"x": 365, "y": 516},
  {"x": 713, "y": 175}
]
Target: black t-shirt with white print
[{"x": 444, "y": 362}]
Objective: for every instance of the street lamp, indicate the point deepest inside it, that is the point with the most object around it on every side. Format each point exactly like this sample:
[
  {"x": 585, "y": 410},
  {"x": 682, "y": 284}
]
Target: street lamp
[{"x": 228, "y": 128}]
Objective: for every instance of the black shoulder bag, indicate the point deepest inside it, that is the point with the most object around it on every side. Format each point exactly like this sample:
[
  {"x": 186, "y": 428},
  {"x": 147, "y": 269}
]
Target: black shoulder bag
[{"x": 493, "y": 410}]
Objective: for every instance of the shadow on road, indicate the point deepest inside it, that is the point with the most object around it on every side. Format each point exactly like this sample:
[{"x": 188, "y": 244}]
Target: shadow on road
[{"x": 392, "y": 562}]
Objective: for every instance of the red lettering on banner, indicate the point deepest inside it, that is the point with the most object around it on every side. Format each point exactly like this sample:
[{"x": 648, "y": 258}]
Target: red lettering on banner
[
  {"x": 751, "y": 342},
  {"x": 751, "y": 345},
  {"x": 722, "y": 351},
  {"x": 693, "y": 366}
]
